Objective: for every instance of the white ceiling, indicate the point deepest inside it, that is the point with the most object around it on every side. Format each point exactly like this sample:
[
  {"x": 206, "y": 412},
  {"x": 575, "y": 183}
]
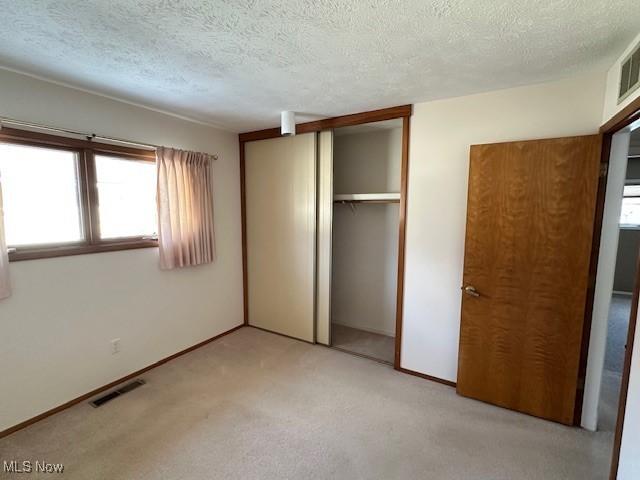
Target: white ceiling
[{"x": 238, "y": 63}]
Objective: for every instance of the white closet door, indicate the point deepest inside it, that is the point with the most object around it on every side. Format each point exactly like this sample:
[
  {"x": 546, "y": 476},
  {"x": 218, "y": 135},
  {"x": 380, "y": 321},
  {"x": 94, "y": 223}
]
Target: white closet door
[
  {"x": 325, "y": 222},
  {"x": 280, "y": 190}
]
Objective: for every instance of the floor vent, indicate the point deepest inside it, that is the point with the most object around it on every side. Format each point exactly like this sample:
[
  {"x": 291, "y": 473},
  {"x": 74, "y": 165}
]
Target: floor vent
[{"x": 98, "y": 402}]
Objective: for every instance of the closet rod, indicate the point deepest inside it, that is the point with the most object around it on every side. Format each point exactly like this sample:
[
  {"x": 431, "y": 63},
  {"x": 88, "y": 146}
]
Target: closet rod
[
  {"x": 88, "y": 136},
  {"x": 394, "y": 200}
]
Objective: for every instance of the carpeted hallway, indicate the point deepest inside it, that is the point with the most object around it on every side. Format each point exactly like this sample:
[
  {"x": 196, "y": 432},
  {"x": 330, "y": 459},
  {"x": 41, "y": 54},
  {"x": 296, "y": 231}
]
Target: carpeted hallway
[{"x": 254, "y": 405}]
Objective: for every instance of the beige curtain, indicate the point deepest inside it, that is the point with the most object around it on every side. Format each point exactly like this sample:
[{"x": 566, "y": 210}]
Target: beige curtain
[
  {"x": 5, "y": 286},
  {"x": 185, "y": 208}
]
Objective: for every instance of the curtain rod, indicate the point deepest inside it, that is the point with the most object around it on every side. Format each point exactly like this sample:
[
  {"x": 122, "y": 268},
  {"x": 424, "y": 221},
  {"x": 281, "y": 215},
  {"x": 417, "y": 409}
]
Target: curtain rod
[{"x": 88, "y": 136}]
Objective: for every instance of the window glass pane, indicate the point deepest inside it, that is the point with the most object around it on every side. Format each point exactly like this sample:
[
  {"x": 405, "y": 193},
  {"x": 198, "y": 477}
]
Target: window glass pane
[
  {"x": 631, "y": 191},
  {"x": 630, "y": 214},
  {"x": 126, "y": 197},
  {"x": 40, "y": 193}
]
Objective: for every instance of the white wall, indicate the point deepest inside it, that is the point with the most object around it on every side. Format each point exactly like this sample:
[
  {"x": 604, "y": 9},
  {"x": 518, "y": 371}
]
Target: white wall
[
  {"x": 611, "y": 106},
  {"x": 57, "y": 326},
  {"x": 365, "y": 267},
  {"x": 441, "y": 133},
  {"x": 629, "y": 467},
  {"x": 367, "y": 162}
]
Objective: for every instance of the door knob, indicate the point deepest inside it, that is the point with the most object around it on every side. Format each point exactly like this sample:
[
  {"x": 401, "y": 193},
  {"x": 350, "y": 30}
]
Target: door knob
[{"x": 471, "y": 290}]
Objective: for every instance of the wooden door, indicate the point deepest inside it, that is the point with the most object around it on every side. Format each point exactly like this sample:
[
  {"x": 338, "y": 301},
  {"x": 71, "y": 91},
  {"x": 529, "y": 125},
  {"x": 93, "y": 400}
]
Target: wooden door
[
  {"x": 280, "y": 192},
  {"x": 530, "y": 219}
]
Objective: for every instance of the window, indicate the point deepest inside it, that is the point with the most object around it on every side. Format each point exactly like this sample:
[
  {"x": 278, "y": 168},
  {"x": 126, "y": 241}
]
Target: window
[
  {"x": 630, "y": 213},
  {"x": 64, "y": 196},
  {"x": 126, "y": 197},
  {"x": 41, "y": 195}
]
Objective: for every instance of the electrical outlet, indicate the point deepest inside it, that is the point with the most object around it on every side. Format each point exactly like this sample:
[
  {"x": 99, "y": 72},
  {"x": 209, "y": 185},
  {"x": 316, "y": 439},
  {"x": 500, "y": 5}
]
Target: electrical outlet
[{"x": 115, "y": 346}]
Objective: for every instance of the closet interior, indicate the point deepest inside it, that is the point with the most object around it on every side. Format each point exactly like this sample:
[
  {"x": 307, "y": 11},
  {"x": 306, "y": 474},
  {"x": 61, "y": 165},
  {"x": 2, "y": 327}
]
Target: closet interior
[{"x": 364, "y": 263}]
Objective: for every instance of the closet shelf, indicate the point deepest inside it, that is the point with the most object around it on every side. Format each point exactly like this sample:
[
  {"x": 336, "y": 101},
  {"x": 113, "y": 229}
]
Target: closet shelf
[{"x": 366, "y": 198}]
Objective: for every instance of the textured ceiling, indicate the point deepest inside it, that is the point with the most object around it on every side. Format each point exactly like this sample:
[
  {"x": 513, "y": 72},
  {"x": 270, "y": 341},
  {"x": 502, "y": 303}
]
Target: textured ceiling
[{"x": 238, "y": 63}]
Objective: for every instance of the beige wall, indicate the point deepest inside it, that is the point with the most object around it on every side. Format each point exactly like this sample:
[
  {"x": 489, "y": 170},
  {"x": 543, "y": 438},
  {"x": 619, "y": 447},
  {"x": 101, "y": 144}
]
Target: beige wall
[
  {"x": 57, "y": 327},
  {"x": 441, "y": 133},
  {"x": 365, "y": 267},
  {"x": 625, "y": 273},
  {"x": 367, "y": 162}
]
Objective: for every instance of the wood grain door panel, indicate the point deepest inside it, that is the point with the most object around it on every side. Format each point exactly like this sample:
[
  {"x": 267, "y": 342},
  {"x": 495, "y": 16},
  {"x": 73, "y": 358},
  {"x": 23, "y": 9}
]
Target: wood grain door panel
[{"x": 530, "y": 220}]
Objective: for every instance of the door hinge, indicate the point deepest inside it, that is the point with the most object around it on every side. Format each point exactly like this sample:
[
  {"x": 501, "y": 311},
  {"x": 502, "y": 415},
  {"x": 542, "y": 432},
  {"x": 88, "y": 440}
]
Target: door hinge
[{"x": 604, "y": 168}]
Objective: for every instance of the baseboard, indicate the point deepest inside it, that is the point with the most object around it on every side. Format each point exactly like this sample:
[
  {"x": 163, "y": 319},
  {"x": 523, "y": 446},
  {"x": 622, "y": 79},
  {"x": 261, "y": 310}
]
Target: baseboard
[
  {"x": 449, "y": 383},
  {"x": 620, "y": 292},
  {"x": 90, "y": 394},
  {"x": 366, "y": 329}
]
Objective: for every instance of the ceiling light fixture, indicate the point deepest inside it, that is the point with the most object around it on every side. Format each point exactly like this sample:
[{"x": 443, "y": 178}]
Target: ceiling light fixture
[{"x": 288, "y": 124}]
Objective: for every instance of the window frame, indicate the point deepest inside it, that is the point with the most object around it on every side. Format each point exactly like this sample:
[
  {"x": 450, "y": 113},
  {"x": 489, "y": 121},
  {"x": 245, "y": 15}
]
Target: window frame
[
  {"x": 87, "y": 192},
  {"x": 629, "y": 226}
]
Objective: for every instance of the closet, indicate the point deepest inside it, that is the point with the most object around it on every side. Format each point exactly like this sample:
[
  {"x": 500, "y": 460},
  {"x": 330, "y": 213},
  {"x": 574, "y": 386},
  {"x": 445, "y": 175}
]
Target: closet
[
  {"x": 324, "y": 232},
  {"x": 366, "y": 186}
]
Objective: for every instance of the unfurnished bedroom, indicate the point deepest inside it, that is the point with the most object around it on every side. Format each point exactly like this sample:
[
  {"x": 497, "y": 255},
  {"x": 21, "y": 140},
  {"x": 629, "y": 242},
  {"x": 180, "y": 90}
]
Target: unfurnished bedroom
[{"x": 273, "y": 239}]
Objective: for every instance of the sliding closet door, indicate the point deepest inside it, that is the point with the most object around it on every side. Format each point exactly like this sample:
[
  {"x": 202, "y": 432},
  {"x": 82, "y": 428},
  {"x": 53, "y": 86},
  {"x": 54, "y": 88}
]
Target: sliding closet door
[
  {"x": 325, "y": 226},
  {"x": 280, "y": 191}
]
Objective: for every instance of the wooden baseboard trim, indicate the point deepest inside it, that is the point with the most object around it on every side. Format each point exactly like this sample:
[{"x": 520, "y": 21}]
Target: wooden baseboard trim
[
  {"x": 365, "y": 329},
  {"x": 448, "y": 383},
  {"x": 623, "y": 293},
  {"x": 86, "y": 396}
]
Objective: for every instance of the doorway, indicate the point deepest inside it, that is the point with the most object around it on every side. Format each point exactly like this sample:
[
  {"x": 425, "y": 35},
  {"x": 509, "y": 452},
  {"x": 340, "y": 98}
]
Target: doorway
[
  {"x": 624, "y": 278},
  {"x": 610, "y": 386}
]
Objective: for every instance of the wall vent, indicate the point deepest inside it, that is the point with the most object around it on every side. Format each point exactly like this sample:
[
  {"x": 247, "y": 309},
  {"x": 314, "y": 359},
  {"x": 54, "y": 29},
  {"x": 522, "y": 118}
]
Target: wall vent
[
  {"x": 98, "y": 402},
  {"x": 630, "y": 74}
]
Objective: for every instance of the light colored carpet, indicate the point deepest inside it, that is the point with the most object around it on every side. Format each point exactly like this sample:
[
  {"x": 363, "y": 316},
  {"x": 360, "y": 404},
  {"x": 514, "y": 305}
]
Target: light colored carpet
[
  {"x": 617, "y": 330},
  {"x": 255, "y": 405},
  {"x": 374, "y": 345},
  {"x": 609, "y": 398}
]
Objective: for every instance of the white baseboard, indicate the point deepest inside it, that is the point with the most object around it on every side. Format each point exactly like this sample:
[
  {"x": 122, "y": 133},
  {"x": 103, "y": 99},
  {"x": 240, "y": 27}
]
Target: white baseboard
[
  {"x": 619, "y": 292},
  {"x": 366, "y": 329}
]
